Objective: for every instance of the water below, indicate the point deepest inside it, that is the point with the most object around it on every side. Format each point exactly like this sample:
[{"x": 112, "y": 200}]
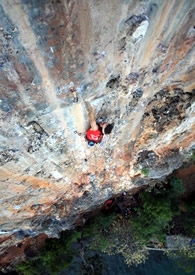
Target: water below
[{"x": 157, "y": 264}]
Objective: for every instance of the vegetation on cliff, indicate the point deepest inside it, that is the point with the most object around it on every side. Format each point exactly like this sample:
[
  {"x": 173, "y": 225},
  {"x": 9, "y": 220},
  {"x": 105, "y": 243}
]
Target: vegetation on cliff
[{"x": 111, "y": 232}]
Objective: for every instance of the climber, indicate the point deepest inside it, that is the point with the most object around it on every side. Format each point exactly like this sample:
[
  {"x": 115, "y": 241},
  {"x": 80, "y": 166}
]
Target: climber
[{"x": 97, "y": 130}]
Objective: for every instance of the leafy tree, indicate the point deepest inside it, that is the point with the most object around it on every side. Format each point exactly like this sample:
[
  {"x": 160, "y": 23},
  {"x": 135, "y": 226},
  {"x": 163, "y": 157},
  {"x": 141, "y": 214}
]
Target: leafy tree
[
  {"x": 113, "y": 235},
  {"x": 184, "y": 258},
  {"x": 97, "y": 229},
  {"x": 121, "y": 240},
  {"x": 189, "y": 219},
  {"x": 145, "y": 171},
  {"x": 177, "y": 187},
  {"x": 157, "y": 211},
  {"x": 152, "y": 219},
  {"x": 56, "y": 255}
]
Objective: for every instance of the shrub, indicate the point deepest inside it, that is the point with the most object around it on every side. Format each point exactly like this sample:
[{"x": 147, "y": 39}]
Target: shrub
[
  {"x": 177, "y": 187},
  {"x": 97, "y": 228},
  {"x": 184, "y": 258},
  {"x": 145, "y": 171},
  {"x": 56, "y": 255},
  {"x": 157, "y": 211},
  {"x": 189, "y": 219},
  {"x": 152, "y": 219},
  {"x": 113, "y": 235}
]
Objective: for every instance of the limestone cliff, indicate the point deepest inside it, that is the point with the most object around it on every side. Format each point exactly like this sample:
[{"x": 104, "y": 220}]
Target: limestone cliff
[{"x": 134, "y": 59}]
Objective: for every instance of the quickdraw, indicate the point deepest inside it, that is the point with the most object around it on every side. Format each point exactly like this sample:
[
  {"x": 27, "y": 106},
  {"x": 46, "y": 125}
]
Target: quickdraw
[{"x": 73, "y": 91}]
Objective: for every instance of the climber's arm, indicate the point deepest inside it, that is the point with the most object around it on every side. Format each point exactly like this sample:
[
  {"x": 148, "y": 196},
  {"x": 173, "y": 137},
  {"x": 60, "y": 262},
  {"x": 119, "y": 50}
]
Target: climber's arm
[{"x": 93, "y": 123}]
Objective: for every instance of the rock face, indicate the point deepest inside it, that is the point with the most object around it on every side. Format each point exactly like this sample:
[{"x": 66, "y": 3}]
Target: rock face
[{"x": 134, "y": 60}]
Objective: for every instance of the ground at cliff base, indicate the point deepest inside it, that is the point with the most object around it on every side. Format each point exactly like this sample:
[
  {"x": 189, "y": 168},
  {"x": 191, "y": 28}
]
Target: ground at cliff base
[{"x": 27, "y": 248}]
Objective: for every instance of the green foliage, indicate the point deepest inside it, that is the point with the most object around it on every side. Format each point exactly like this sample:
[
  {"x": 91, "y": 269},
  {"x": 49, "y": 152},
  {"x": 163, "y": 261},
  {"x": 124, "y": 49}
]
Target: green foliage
[
  {"x": 26, "y": 268},
  {"x": 184, "y": 257},
  {"x": 56, "y": 255},
  {"x": 121, "y": 241},
  {"x": 189, "y": 225},
  {"x": 59, "y": 251},
  {"x": 189, "y": 219},
  {"x": 97, "y": 228},
  {"x": 177, "y": 187},
  {"x": 113, "y": 235},
  {"x": 145, "y": 171},
  {"x": 193, "y": 156},
  {"x": 152, "y": 218},
  {"x": 186, "y": 260},
  {"x": 190, "y": 206},
  {"x": 157, "y": 211}
]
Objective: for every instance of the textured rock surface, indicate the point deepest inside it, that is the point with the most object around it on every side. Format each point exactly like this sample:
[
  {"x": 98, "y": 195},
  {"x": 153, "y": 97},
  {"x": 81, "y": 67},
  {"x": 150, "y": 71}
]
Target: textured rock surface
[{"x": 135, "y": 59}]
